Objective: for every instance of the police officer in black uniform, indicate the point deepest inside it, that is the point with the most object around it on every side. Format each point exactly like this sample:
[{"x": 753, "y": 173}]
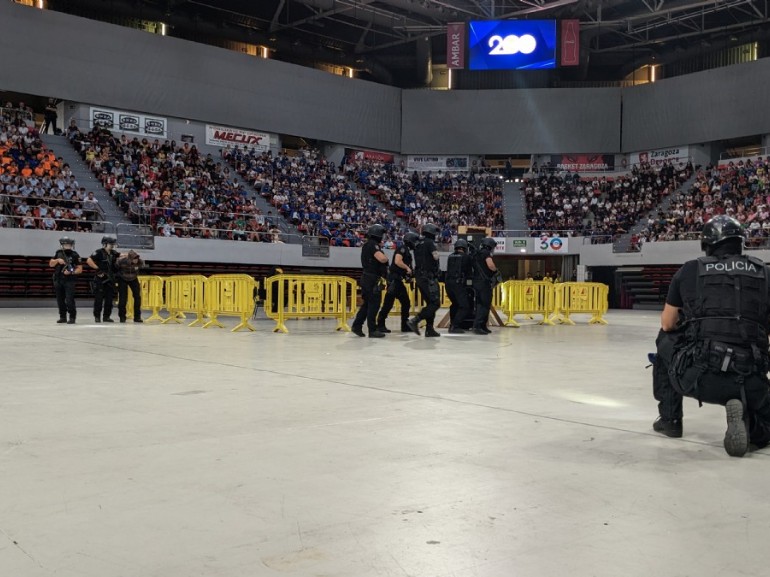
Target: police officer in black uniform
[
  {"x": 375, "y": 265},
  {"x": 67, "y": 266},
  {"x": 485, "y": 278},
  {"x": 714, "y": 340},
  {"x": 426, "y": 271},
  {"x": 458, "y": 271},
  {"x": 400, "y": 268},
  {"x": 104, "y": 262}
]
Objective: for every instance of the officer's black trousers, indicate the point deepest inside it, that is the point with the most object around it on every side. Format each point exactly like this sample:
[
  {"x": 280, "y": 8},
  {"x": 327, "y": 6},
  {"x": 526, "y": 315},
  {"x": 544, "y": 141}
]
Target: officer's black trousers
[
  {"x": 65, "y": 298},
  {"x": 461, "y": 306},
  {"x": 715, "y": 388},
  {"x": 371, "y": 295},
  {"x": 396, "y": 290},
  {"x": 104, "y": 294},
  {"x": 483, "y": 290},
  {"x": 429, "y": 292}
]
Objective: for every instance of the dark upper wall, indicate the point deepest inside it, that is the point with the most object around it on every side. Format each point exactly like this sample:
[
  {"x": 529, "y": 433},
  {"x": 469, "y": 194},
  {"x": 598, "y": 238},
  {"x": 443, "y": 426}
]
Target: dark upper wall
[
  {"x": 52, "y": 54},
  {"x": 49, "y": 53},
  {"x": 727, "y": 102},
  {"x": 511, "y": 121}
]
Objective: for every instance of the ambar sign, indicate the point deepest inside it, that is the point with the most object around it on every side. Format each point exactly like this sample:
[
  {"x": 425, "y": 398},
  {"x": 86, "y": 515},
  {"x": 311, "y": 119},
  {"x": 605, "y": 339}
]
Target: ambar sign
[{"x": 223, "y": 136}]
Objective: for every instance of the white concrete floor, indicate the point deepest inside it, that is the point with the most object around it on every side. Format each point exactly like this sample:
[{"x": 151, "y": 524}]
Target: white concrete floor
[{"x": 168, "y": 451}]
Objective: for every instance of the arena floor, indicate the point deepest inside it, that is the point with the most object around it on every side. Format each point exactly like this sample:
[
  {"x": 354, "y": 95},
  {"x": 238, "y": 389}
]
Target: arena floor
[{"x": 167, "y": 451}]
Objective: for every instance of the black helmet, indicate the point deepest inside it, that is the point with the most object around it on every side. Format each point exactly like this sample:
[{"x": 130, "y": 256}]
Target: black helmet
[
  {"x": 489, "y": 243},
  {"x": 376, "y": 231},
  {"x": 66, "y": 240},
  {"x": 430, "y": 230},
  {"x": 410, "y": 239},
  {"x": 719, "y": 229},
  {"x": 461, "y": 243},
  {"x": 109, "y": 240}
]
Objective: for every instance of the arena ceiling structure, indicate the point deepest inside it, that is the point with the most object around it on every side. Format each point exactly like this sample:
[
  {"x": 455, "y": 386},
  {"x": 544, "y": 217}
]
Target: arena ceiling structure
[{"x": 393, "y": 41}]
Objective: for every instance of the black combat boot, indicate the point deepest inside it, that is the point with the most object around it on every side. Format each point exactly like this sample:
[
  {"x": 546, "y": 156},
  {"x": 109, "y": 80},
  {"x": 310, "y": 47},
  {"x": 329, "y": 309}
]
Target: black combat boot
[
  {"x": 414, "y": 325},
  {"x": 669, "y": 428},
  {"x": 382, "y": 329},
  {"x": 736, "y": 437},
  {"x": 431, "y": 332}
]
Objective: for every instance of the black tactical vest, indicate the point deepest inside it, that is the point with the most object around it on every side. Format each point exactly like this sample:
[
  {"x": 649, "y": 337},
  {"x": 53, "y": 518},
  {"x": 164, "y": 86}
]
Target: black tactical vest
[
  {"x": 368, "y": 262},
  {"x": 425, "y": 264},
  {"x": 455, "y": 268},
  {"x": 731, "y": 304}
]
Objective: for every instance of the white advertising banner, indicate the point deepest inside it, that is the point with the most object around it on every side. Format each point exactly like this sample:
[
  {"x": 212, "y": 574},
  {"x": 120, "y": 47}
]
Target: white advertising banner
[
  {"x": 500, "y": 241},
  {"x": 657, "y": 157},
  {"x": 224, "y": 136},
  {"x": 551, "y": 245},
  {"x": 435, "y": 163},
  {"x": 129, "y": 122}
]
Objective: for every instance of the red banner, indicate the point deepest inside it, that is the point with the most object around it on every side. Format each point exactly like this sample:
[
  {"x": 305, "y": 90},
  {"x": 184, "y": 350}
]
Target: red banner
[
  {"x": 570, "y": 42},
  {"x": 455, "y": 45},
  {"x": 360, "y": 155}
]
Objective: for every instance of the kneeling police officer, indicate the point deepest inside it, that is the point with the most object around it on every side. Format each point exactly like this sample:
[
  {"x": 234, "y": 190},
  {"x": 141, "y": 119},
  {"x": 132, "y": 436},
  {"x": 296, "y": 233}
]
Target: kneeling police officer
[
  {"x": 375, "y": 265},
  {"x": 104, "y": 262},
  {"x": 717, "y": 352}
]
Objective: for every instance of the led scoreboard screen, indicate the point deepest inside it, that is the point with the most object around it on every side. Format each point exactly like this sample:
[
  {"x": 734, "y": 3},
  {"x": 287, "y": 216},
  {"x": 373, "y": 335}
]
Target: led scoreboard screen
[{"x": 511, "y": 44}]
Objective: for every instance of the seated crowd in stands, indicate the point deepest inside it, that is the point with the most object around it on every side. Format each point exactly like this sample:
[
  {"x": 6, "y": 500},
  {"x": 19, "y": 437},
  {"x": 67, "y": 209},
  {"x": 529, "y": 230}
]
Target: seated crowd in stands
[
  {"x": 310, "y": 193},
  {"x": 600, "y": 207},
  {"x": 176, "y": 190},
  {"x": 37, "y": 190},
  {"x": 340, "y": 204},
  {"x": 447, "y": 199},
  {"x": 739, "y": 189},
  {"x": 181, "y": 192}
]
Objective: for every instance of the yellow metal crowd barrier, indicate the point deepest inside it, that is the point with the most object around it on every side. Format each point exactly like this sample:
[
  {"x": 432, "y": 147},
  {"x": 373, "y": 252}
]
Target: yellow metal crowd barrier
[
  {"x": 152, "y": 297},
  {"x": 526, "y": 298},
  {"x": 310, "y": 296},
  {"x": 230, "y": 295},
  {"x": 316, "y": 296},
  {"x": 554, "y": 301},
  {"x": 185, "y": 294},
  {"x": 581, "y": 297}
]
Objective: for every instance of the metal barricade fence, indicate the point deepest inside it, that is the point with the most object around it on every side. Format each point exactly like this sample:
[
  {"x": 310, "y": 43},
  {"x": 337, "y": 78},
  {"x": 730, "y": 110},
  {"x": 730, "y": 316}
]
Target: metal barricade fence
[
  {"x": 527, "y": 298},
  {"x": 185, "y": 294},
  {"x": 309, "y": 296},
  {"x": 230, "y": 295},
  {"x": 152, "y": 297},
  {"x": 581, "y": 297}
]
